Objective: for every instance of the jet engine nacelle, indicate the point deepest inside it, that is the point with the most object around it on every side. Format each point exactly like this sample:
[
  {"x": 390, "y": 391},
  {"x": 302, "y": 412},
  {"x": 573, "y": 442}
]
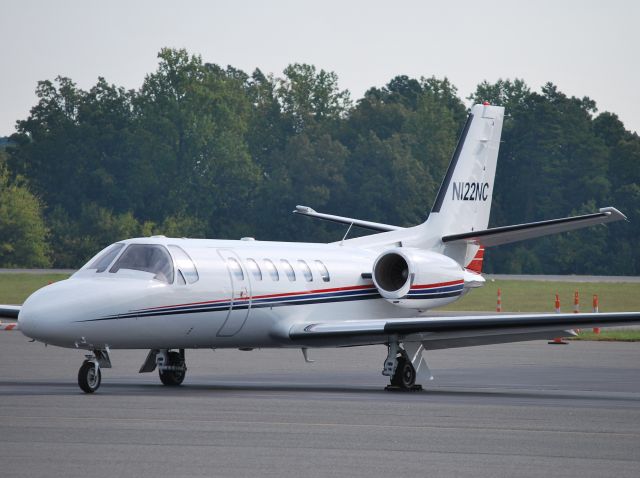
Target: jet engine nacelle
[{"x": 417, "y": 279}]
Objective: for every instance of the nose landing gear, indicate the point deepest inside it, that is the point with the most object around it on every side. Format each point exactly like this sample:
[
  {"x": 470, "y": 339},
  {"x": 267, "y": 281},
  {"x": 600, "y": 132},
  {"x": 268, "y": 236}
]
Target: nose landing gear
[{"x": 89, "y": 375}]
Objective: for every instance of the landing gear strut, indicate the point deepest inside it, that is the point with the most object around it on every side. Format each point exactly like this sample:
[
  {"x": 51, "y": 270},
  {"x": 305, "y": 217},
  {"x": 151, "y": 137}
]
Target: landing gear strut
[
  {"x": 89, "y": 375},
  {"x": 399, "y": 369}
]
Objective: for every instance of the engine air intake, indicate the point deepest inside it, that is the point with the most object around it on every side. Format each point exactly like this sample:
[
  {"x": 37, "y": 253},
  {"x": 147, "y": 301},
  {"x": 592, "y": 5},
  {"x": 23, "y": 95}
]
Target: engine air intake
[
  {"x": 391, "y": 272},
  {"x": 417, "y": 279}
]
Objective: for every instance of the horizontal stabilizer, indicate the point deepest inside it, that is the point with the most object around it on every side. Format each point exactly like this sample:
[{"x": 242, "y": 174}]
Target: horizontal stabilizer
[
  {"x": 507, "y": 234},
  {"x": 374, "y": 226},
  {"x": 9, "y": 311}
]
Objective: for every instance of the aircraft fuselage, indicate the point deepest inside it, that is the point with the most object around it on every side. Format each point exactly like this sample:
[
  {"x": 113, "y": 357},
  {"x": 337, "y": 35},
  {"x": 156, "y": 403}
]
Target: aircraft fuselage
[{"x": 248, "y": 294}]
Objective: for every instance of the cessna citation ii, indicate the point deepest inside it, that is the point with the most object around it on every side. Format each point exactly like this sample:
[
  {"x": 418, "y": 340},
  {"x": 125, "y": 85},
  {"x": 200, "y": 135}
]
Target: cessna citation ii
[{"x": 167, "y": 295}]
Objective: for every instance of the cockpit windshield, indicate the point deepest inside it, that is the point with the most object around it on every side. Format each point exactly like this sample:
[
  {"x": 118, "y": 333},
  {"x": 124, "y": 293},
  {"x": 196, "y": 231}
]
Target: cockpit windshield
[
  {"x": 151, "y": 258},
  {"x": 106, "y": 257}
]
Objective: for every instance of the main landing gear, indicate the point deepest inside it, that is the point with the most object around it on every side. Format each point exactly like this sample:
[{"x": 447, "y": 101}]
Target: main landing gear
[
  {"x": 173, "y": 372},
  {"x": 171, "y": 365},
  {"x": 399, "y": 368},
  {"x": 89, "y": 375}
]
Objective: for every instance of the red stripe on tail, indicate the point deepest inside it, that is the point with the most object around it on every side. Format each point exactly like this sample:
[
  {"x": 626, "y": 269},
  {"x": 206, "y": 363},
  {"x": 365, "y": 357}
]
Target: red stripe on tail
[{"x": 475, "y": 264}]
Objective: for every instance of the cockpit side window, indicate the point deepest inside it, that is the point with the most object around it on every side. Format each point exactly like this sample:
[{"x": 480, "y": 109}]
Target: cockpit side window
[
  {"x": 180, "y": 278},
  {"x": 152, "y": 258},
  {"x": 184, "y": 264},
  {"x": 103, "y": 260}
]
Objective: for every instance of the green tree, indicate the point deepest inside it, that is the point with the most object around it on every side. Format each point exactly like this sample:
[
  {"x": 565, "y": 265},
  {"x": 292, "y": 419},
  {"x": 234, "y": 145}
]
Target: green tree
[
  {"x": 311, "y": 98},
  {"x": 200, "y": 150},
  {"x": 388, "y": 184},
  {"x": 77, "y": 238},
  {"x": 194, "y": 118},
  {"x": 23, "y": 235}
]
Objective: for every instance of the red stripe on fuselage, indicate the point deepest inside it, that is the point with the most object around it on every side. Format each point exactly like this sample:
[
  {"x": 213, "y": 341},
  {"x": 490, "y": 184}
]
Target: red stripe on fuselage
[
  {"x": 271, "y": 296},
  {"x": 439, "y": 284},
  {"x": 301, "y": 293}
]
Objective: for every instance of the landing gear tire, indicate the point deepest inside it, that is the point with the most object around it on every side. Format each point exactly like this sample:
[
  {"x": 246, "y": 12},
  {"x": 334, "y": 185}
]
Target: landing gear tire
[
  {"x": 173, "y": 378},
  {"x": 89, "y": 377},
  {"x": 405, "y": 375}
]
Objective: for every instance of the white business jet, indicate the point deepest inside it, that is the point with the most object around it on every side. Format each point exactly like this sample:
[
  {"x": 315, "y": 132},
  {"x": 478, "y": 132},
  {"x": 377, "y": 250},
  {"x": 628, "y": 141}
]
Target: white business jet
[{"x": 167, "y": 295}]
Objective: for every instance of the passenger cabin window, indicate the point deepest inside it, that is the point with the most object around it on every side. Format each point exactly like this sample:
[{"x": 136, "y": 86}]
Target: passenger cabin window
[
  {"x": 255, "y": 269},
  {"x": 235, "y": 268},
  {"x": 288, "y": 269},
  {"x": 152, "y": 258},
  {"x": 105, "y": 258},
  {"x": 271, "y": 269},
  {"x": 187, "y": 271},
  {"x": 324, "y": 273},
  {"x": 306, "y": 270}
]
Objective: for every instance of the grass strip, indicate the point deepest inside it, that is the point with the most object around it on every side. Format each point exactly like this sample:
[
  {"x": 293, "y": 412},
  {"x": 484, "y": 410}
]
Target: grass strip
[
  {"x": 539, "y": 296},
  {"x": 15, "y": 288},
  {"x": 611, "y": 335}
]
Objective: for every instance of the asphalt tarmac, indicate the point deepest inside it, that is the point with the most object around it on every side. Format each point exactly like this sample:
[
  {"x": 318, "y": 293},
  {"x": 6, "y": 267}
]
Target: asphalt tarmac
[{"x": 528, "y": 409}]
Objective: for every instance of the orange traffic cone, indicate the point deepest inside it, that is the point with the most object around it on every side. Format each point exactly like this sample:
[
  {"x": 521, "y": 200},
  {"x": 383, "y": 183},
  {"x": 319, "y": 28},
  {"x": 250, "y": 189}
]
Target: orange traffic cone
[
  {"x": 557, "y": 340},
  {"x": 596, "y": 330}
]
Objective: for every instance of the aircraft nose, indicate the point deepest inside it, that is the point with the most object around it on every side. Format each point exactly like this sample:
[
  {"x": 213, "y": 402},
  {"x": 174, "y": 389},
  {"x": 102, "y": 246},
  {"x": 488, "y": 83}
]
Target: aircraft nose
[
  {"x": 52, "y": 314},
  {"x": 41, "y": 316},
  {"x": 64, "y": 312}
]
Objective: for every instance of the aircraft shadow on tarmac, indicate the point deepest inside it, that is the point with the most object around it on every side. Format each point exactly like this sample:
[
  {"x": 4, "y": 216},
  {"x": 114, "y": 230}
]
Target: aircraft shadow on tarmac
[{"x": 16, "y": 387}]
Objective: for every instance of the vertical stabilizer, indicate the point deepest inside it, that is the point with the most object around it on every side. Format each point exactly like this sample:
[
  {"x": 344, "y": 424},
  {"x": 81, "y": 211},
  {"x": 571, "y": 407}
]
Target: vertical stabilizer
[{"x": 463, "y": 203}]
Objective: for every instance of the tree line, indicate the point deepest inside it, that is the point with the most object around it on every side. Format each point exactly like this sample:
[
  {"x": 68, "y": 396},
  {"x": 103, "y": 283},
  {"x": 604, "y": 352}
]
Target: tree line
[{"x": 205, "y": 151}]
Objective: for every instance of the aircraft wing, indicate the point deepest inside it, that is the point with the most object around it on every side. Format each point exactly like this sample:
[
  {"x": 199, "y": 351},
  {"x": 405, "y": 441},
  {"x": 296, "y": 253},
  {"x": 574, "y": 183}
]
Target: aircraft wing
[
  {"x": 519, "y": 232},
  {"x": 449, "y": 332}
]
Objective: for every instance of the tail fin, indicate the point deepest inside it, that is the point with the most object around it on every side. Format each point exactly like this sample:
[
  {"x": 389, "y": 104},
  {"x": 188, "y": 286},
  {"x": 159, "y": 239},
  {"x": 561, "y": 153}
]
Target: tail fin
[{"x": 463, "y": 203}]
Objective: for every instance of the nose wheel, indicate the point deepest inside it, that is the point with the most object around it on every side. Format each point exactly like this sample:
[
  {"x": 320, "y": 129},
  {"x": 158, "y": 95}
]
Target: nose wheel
[{"x": 89, "y": 376}]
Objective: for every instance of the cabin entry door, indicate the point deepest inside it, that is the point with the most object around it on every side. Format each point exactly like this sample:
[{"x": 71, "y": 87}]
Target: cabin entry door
[{"x": 240, "y": 304}]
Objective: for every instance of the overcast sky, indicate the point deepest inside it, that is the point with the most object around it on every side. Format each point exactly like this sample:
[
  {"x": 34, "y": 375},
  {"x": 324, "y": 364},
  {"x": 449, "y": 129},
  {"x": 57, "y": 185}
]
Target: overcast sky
[{"x": 587, "y": 48}]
